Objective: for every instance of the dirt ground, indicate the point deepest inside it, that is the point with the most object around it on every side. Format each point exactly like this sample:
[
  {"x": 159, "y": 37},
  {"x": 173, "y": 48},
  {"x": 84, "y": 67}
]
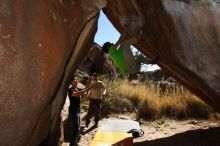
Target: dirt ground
[{"x": 165, "y": 132}]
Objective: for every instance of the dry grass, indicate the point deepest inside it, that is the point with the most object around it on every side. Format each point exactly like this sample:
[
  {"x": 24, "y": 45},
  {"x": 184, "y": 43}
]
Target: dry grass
[{"x": 123, "y": 96}]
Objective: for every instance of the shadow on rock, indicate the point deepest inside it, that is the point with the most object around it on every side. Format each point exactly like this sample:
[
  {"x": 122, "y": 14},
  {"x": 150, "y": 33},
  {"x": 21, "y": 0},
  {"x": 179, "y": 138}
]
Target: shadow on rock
[{"x": 200, "y": 137}]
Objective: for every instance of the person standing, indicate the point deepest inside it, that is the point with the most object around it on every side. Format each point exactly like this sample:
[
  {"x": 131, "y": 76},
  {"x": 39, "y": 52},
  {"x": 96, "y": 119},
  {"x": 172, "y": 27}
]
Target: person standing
[
  {"x": 74, "y": 109},
  {"x": 96, "y": 94}
]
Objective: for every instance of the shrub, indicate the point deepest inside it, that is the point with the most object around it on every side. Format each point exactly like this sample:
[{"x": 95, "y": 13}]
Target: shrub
[
  {"x": 147, "y": 110},
  {"x": 116, "y": 106},
  {"x": 178, "y": 104},
  {"x": 198, "y": 110}
]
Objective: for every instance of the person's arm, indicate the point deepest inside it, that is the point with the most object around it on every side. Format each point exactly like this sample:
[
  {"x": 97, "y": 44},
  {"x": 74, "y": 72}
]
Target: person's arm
[
  {"x": 79, "y": 93},
  {"x": 104, "y": 92},
  {"x": 121, "y": 38}
]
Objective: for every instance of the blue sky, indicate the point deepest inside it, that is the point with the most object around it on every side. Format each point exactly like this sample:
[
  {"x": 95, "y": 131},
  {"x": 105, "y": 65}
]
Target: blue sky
[{"x": 107, "y": 33}]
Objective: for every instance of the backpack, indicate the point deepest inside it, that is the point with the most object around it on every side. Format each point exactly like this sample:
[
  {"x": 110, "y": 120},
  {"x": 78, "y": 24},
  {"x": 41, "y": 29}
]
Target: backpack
[{"x": 136, "y": 132}]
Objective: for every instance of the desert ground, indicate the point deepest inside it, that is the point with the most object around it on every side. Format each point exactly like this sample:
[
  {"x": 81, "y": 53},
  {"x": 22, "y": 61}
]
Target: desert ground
[{"x": 162, "y": 132}]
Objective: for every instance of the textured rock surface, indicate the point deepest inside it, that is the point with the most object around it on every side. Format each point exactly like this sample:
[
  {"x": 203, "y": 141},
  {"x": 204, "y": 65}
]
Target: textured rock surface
[
  {"x": 41, "y": 44},
  {"x": 98, "y": 61},
  {"x": 184, "y": 33}
]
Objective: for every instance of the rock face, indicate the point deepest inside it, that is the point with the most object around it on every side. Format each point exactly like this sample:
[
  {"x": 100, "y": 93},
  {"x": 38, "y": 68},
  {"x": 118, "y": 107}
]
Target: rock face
[
  {"x": 41, "y": 44},
  {"x": 184, "y": 33},
  {"x": 100, "y": 62}
]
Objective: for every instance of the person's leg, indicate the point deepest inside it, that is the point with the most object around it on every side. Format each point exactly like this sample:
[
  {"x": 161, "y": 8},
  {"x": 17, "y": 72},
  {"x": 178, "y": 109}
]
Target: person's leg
[
  {"x": 75, "y": 118},
  {"x": 89, "y": 114},
  {"x": 130, "y": 62},
  {"x": 97, "y": 111}
]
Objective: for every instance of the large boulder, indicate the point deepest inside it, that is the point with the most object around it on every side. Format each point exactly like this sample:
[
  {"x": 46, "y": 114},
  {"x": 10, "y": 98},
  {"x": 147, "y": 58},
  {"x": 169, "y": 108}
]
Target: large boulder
[
  {"x": 41, "y": 45},
  {"x": 43, "y": 42},
  {"x": 183, "y": 34}
]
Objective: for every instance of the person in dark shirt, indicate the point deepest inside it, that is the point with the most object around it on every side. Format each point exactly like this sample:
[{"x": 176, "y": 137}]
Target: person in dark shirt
[{"x": 74, "y": 109}]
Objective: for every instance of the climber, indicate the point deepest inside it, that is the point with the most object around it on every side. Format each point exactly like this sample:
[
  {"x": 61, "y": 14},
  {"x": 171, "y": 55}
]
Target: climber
[
  {"x": 122, "y": 56},
  {"x": 74, "y": 109}
]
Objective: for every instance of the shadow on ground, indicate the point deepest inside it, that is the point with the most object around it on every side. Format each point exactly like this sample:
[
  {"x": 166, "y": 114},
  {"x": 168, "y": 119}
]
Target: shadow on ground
[
  {"x": 88, "y": 130},
  {"x": 200, "y": 137}
]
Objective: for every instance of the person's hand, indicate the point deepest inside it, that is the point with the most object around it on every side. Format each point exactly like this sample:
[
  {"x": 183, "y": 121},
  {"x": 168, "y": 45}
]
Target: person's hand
[
  {"x": 90, "y": 86},
  {"x": 123, "y": 37}
]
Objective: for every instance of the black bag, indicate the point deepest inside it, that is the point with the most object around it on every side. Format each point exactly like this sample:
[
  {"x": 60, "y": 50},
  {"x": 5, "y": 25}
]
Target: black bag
[{"x": 136, "y": 132}]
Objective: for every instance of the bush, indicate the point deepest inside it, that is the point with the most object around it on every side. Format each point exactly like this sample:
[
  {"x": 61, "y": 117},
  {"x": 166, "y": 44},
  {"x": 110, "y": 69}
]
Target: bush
[
  {"x": 116, "y": 106},
  {"x": 198, "y": 110},
  {"x": 178, "y": 104},
  {"x": 147, "y": 110},
  {"x": 173, "y": 111}
]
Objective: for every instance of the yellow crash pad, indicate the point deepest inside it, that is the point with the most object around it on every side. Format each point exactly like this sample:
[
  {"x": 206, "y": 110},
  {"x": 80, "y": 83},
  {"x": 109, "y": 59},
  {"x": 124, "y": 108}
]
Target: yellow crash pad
[{"x": 107, "y": 138}]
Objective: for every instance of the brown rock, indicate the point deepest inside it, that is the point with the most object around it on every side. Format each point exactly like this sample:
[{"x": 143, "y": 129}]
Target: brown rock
[
  {"x": 185, "y": 34},
  {"x": 100, "y": 62},
  {"x": 41, "y": 44}
]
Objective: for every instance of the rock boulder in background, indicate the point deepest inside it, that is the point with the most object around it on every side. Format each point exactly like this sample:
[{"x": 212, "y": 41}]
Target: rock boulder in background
[
  {"x": 43, "y": 42},
  {"x": 184, "y": 34}
]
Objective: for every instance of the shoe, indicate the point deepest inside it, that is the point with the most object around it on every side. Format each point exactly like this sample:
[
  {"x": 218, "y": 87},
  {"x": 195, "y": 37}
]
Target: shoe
[{"x": 95, "y": 126}]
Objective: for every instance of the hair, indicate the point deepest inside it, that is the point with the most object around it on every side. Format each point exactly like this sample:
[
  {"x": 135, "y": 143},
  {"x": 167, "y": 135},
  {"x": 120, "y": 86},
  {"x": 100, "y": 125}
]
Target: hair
[
  {"x": 95, "y": 74},
  {"x": 106, "y": 46},
  {"x": 73, "y": 78}
]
